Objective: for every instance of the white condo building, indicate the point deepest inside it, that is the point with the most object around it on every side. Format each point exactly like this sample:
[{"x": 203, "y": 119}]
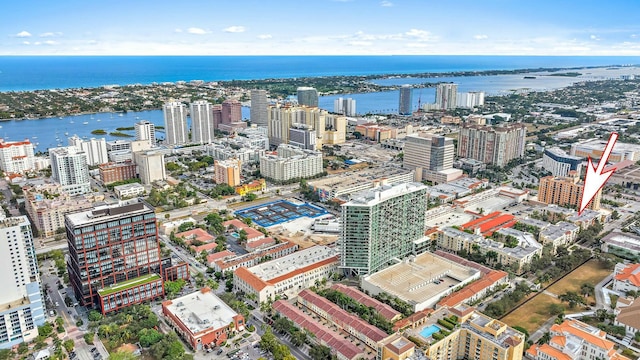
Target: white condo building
[
  {"x": 345, "y": 107},
  {"x": 175, "y": 123},
  {"x": 259, "y": 107},
  {"x": 21, "y": 309},
  {"x": 202, "y": 126},
  {"x": 446, "y": 96},
  {"x": 145, "y": 131},
  {"x": 69, "y": 168},
  {"x": 96, "y": 149},
  {"x": 291, "y": 163},
  {"x": 16, "y": 156}
]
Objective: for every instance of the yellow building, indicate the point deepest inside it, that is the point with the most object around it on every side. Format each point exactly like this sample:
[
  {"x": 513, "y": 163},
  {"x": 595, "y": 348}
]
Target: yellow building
[
  {"x": 396, "y": 347},
  {"x": 335, "y": 130},
  {"x": 565, "y": 191},
  {"x": 474, "y": 336},
  {"x": 227, "y": 172},
  {"x": 257, "y": 185}
]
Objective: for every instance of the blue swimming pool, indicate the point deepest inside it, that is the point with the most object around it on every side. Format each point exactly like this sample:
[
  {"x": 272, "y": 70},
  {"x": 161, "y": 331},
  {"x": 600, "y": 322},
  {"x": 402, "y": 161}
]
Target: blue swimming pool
[
  {"x": 235, "y": 235},
  {"x": 430, "y": 330}
]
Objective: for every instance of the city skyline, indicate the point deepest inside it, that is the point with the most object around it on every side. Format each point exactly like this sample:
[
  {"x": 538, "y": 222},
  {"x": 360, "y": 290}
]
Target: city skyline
[{"x": 492, "y": 27}]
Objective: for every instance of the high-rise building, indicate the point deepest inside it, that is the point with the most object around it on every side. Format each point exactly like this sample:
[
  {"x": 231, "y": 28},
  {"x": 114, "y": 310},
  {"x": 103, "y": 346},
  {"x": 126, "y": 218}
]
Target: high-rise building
[
  {"x": 118, "y": 145},
  {"x": 565, "y": 191},
  {"x": 145, "y": 130},
  {"x": 307, "y": 96},
  {"x": 16, "y": 156},
  {"x": 302, "y": 136},
  {"x": 335, "y": 130},
  {"x": 495, "y": 145},
  {"x": 69, "y": 168},
  {"x": 446, "y": 96},
  {"x": 470, "y": 99},
  {"x": 150, "y": 166},
  {"x": 345, "y": 107},
  {"x": 405, "y": 103},
  {"x": 217, "y": 115},
  {"x": 431, "y": 156},
  {"x": 231, "y": 111},
  {"x": 259, "y": 107},
  {"x": 282, "y": 118},
  {"x": 202, "y": 126},
  {"x": 227, "y": 172},
  {"x": 291, "y": 163},
  {"x": 175, "y": 123},
  {"x": 113, "y": 172},
  {"x": 22, "y": 308},
  {"x": 114, "y": 255},
  {"x": 380, "y": 225},
  {"x": 96, "y": 149},
  {"x": 559, "y": 163}
]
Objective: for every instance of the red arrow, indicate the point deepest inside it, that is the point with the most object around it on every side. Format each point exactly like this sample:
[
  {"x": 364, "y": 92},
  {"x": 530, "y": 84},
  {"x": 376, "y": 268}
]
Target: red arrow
[{"x": 595, "y": 178}]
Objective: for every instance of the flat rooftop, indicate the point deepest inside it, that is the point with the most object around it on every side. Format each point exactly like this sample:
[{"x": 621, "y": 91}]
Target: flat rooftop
[
  {"x": 385, "y": 192},
  {"x": 412, "y": 279},
  {"x": 286, "y": 264},
  {"x": 352, "y": 178},
  {"x": 201, "y": 310},
  {"x": 105, "y": 213},
  {"x": 123, "y": 285}
]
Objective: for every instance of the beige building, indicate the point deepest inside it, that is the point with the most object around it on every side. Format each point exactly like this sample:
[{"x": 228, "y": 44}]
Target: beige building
[
  {"x": 227, "y": 172},
  {"x": 476, "y": 337},
  {"x": 335, "y": 130},
  {"x": 287, "y": 275},
  {"x": 16, "y": 156},
  {"x": 452, "y": 239},
  {"x": 496, "y": 145},
  {"x": 150, "y": 166},
  {"x": 565, "y": 191},
  {"x": 431, "y": 156},
  {"x": 291, "y": 163},
  {"x": 47, "y": 204},
  {"x": 281, "y": 118}
]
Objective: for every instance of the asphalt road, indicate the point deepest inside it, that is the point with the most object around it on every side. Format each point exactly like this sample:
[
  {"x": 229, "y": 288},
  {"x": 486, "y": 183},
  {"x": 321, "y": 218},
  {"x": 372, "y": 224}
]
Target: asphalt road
[{"x": 295, "y": 351}]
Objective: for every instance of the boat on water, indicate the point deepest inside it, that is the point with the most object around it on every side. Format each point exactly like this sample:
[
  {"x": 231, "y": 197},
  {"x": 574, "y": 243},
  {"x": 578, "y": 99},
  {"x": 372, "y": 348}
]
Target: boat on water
[
  {"x": 121, "y": 114},
  {"x": 85, "y": 123},
  {"x": 98, "y": 120},
  {"x": 71, "y": 122},
  {"x": 34, "y": 137},
  {"x": 529, "y": 77},
  {"x": 66, "y": 134}
]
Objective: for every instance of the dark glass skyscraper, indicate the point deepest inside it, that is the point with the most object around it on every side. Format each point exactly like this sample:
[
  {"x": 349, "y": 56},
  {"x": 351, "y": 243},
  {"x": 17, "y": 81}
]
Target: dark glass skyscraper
[{"x": 406, "y": 101}]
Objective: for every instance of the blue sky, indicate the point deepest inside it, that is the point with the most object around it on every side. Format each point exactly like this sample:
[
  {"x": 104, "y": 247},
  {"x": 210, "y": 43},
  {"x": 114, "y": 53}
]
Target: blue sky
[{"x": 320, "y": 27}]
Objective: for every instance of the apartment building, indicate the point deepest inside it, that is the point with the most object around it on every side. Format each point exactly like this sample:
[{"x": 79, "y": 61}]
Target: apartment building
[
  {"x": 496, "y": 145},
  {"x": 291, "y": 163},
  {"x": 16, "y": 156},
  {"x": 565, "y": 191}
]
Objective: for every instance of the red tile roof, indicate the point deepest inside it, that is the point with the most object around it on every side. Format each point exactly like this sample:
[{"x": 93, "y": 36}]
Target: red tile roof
[
  {"x": 227, "y": 263},
  {"x": 413, "y": 318},
  {"x": 630, "y": 273},
  {"x": 219, "y": 255},
  {"x": 258, "y": 243},
  {"x": 547, "y": 349},
  {"x": 235, "y": 223},
  {"x": 196, "y": 234},
  {"x": 490, "y": 223},
  {"x": 326, "y": 336},
  {"x": 470, "y": 290},
  {"x": 205, "y": 247},
  {"x": 289, "y": 275},
  {"x": 580, "y": 330},
  {"x": 385, "y": 310},
  {"x": 341, "y": 317},
  {"x": 464, "y": 262},
  {"x": 250, "y": 278}
]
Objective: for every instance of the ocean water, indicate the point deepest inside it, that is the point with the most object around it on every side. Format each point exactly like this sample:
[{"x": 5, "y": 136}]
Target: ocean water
[{"x": 18, "y": 73}]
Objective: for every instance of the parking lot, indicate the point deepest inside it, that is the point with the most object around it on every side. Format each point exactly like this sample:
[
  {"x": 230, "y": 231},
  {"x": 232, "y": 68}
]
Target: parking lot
[{"x": 278, "y": 212}]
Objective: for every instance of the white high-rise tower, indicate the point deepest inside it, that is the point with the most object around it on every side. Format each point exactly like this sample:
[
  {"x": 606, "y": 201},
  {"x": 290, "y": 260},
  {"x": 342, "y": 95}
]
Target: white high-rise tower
[
  {"x": 175, "y": 123},
  {"x": 146, "y": 130},
  {"x": 202, "y": 127}
]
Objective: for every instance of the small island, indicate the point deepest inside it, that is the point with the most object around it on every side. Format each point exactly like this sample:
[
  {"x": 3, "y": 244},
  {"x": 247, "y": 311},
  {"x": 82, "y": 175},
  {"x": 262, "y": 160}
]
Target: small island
[
  {"x": 127, "y": 128},
  {"x": 99, "y": 132},
  {"x": 119, "y": 134}
]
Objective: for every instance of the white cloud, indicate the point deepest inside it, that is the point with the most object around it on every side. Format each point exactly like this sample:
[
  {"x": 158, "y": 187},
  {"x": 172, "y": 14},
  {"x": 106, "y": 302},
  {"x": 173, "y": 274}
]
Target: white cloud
[
  {"x": 633, "y": 36},
  {"x": 417, "y": 45},
  {"x": 50, "y": 42},
  {"x": 386, "y": 3},
  {"x": 235, "y": 29},
  {"x": 360, "y": 43},
  {"x": 37, "y": 43},
  {"x": 51, "y": 34},
  {"x": 594, "y": 37},
  {"x": 197, "y": 31},
  {"x": 178, "y": 30},
  {"x": 23, "y": 34},
  {"x": 480, "y": 37},
  {"x": 26, "y": 43},
  {"x": 420, "y": 35},
  {"x": 264, "y": 36}
]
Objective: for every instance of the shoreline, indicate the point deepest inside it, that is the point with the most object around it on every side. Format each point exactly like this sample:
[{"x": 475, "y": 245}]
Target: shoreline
[{"x": 278, "y": 87}]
